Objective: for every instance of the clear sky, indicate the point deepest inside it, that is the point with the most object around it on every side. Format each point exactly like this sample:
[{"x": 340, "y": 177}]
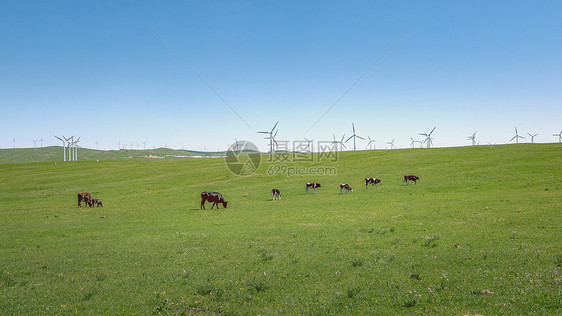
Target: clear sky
[{"x": 102, "y": 70}]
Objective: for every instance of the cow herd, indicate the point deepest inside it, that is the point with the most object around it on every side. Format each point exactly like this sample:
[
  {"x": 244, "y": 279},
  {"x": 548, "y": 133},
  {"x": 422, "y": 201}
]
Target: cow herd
[{"x": 216, "y": 197}]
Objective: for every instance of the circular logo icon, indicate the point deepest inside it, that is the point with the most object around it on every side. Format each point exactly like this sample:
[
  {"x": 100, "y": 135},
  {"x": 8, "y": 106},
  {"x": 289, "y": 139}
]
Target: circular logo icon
[{"x": 243, "y": 158}]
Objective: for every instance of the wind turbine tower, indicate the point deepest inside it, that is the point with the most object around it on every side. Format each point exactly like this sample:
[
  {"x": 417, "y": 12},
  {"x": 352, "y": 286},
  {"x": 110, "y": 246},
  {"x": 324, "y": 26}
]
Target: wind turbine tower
[
  {"x": 428, "y": 137},
  {"x": 354, "y": 136},
  {"x": 391, "y": 144},
  {"x": 75, "y": 144},
  {"x": 271, "y": 138},
  {"x": 473, "y": 138},
  {"x": 70, "y": 144},
  {"x": 63, "y": 140},
  {"x": 308, "y": 147},
  {"x": 516, "y": 137},
  {"x": 371, "y": 141},
  {"x": 14, "y": 141},
  {"x": 335, "y": 142}
]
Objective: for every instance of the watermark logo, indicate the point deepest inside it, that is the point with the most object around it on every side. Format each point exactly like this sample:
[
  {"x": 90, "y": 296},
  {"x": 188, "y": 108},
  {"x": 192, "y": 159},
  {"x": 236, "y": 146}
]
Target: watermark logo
[
  {"x": 243, "y": 158},
  {"x": 288, "y": 158}
]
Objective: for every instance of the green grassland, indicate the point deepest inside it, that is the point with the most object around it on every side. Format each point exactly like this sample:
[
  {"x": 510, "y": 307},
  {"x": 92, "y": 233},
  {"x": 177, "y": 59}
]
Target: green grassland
[{"x": 479, "y": 234}]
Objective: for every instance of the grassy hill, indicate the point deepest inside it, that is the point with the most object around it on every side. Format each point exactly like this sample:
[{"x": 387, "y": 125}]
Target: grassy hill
[
  {"x": 478, "y": 234},
  {"x": 55, "y": 153}
]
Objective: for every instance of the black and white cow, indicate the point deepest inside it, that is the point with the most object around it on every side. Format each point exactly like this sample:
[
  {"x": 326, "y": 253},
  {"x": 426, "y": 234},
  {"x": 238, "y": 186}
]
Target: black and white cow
[
  {"x": 97, "y": 202},
  {"x": 411, "y": 178},
  {"x": 346, "y": 187},
  {"x": 312, "y": 186},
  {"x": 213, "y": 197},
  {"x": 371, "y": 181},
  {"x": 276, "y": 193}
]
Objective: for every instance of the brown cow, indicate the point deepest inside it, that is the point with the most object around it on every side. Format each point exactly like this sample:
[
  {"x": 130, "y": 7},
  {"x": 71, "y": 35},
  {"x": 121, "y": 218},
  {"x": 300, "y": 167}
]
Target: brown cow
[
  {"x": 346, "y": 187},
  {"x": 213, "y": 197},
  {"x": 312, "y": 186},
  {"x": 372, "y": 181},
  {"x": 276, "y": 193},
  {"x": 411, "y": 178},
  {"x": 85, "y": 197}
]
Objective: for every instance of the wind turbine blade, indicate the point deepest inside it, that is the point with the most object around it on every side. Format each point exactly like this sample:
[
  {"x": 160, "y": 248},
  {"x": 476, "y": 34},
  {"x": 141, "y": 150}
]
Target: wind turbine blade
[
  {"x": 353, "y": 125},
  {"x": 275, "y": 134},
  {"x": 263, "y": 132},
  {"x": 349, "y": 138},
  {"x": 343, "y": 145},
  {"x": 432, "y": 130},
  {"x": 342, "y": 137},
  {"x": 513, "y": 138},
  {"x": 274, "y": 126},
  {"x": 359, "y": 137}
]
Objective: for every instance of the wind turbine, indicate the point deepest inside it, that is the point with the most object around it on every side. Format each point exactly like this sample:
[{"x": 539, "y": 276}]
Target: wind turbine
[
  {"x": 371, "y": 141},
  {"x": 35, "y": 143},
  {"x": 237, "y": 144},
  {"x": 69, "y": 144},
  {"x": 75, "y": 144},
  {"x": 473, "y": 138},
  {"x": 428, "y": 137},
  {"x": 41, "y": 141},
  {"x": 63, "y": 140},
  {"x": 413, "y": 143},
  {"x": 97, "y": 145},
  {"x": 271, "y": 138},
  {"x": 516, "y": 137},
  {"x": 559, "y": 136},
  {"x": 532, "y": 137},
  {"x": 354, "y": 136},
  {"x": 14, "y": 141},
  {"x": 391, "y": 144},
  {"x": 339, "y": 142},
  {"x": 308, "y": 148}
]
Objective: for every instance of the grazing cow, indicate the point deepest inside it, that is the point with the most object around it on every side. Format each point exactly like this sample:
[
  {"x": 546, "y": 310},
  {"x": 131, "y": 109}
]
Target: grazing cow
[
  {"x": 313, "y": 186},
  {"x": 346, "y": 187},
  {"x": 97, "y": 202},
  {"x": 276, "y": 193},
  {"x": 372, "y": 181},
  {"x": 411, "y": 178},
  {"x": 85, "y": 197},
  {"x": 213, "y": 197}
]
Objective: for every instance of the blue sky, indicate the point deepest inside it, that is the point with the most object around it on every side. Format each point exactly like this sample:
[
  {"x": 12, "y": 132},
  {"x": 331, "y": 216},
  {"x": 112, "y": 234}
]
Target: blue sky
[{"x": 98, "y": 69}]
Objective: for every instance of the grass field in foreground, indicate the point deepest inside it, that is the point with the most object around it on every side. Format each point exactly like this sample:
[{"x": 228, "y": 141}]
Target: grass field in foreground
[{"x": 479, "y": 234}]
